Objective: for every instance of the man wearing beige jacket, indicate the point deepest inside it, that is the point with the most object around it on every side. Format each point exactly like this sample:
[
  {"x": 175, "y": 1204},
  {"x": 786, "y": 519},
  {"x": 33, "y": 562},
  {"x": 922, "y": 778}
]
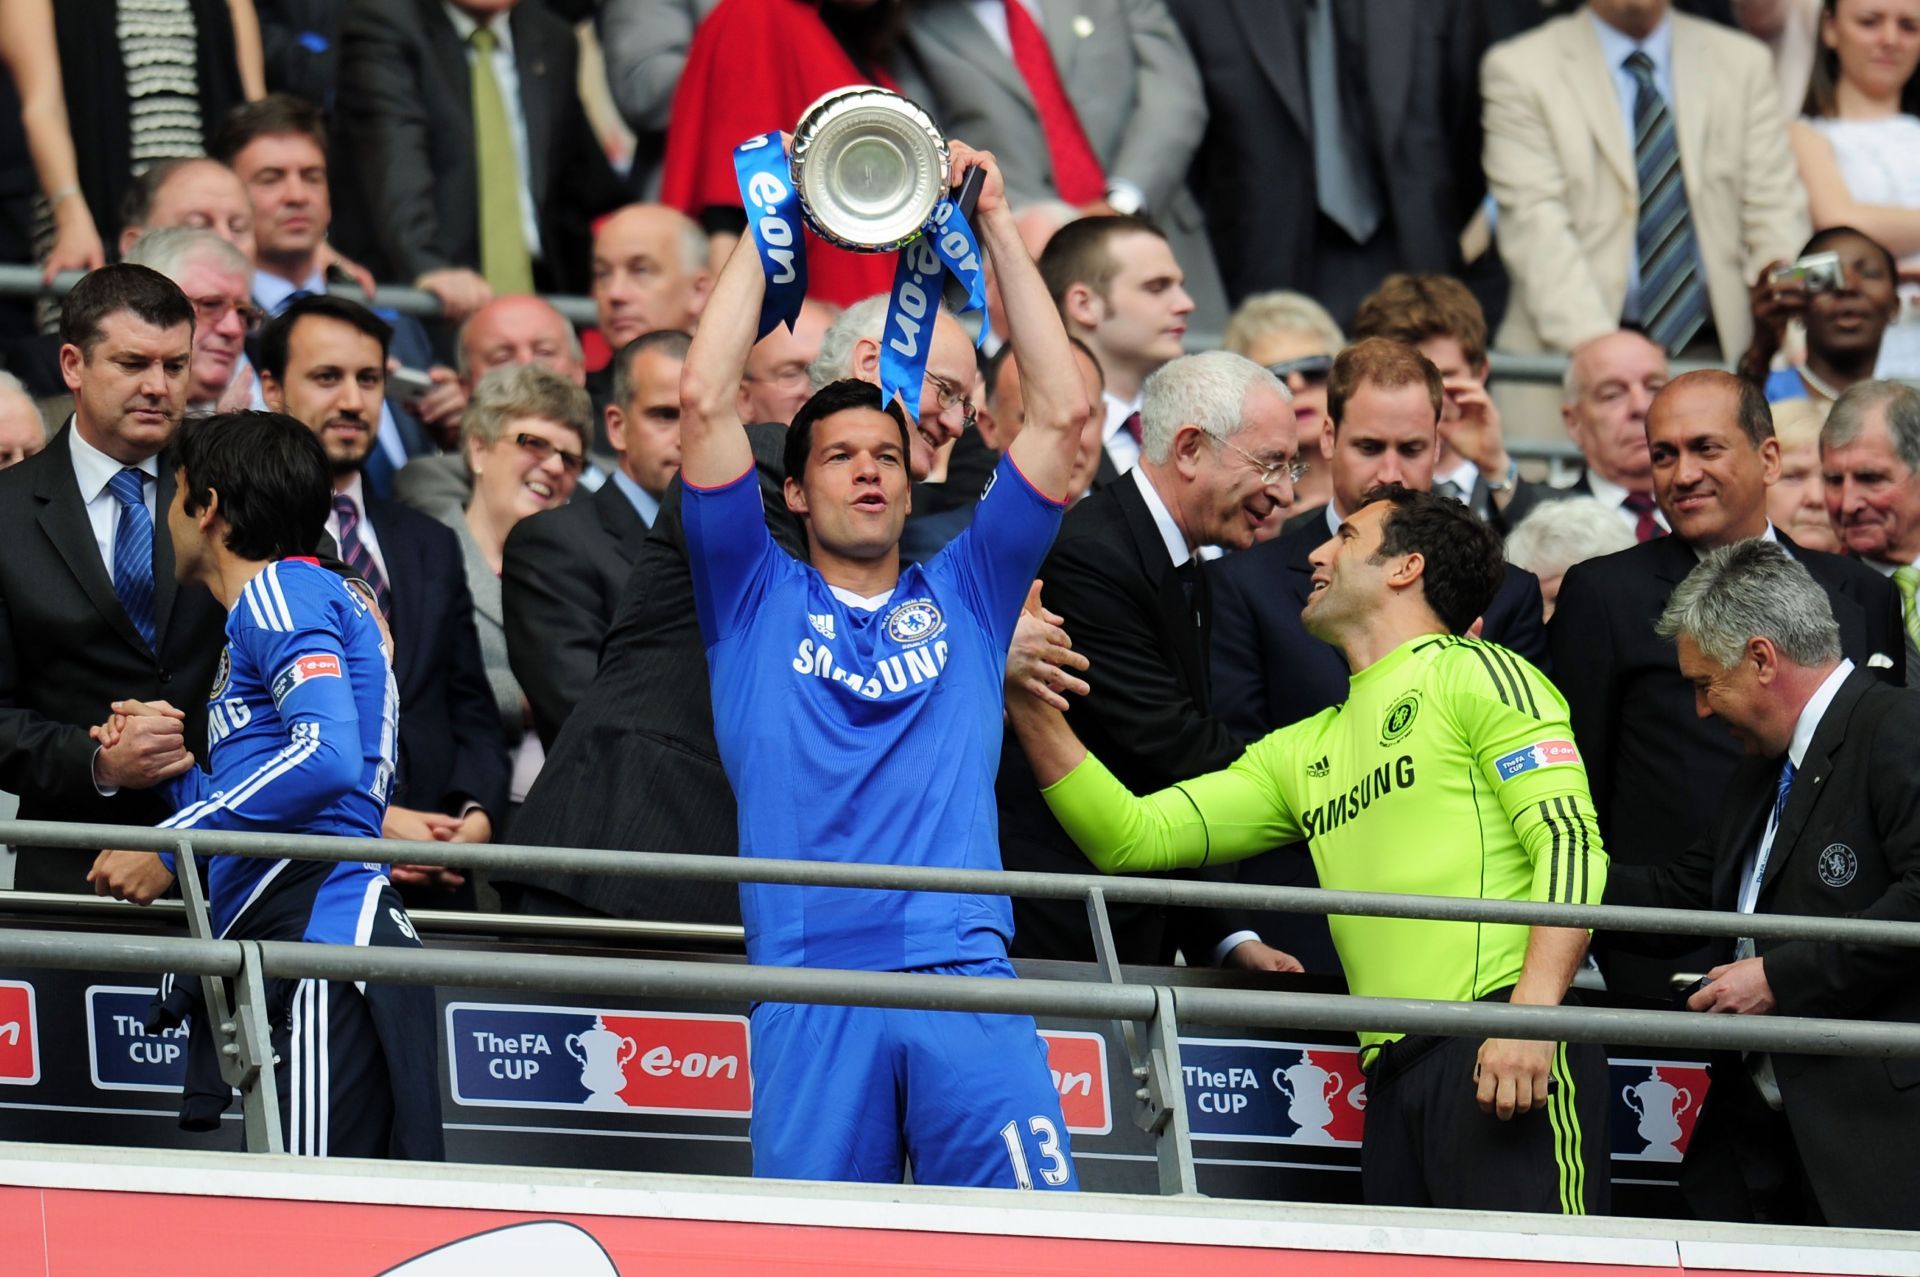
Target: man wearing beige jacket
[{"x": 1643, "y": 177}]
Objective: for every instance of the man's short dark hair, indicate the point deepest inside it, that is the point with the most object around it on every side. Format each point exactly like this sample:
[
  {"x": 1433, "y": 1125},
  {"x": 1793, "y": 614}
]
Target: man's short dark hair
[
  {"x": 1385, "y": 364},
  {"x": 1415, "y": 308},
  {"x": 1465, "y": 564},
  {"x": 109, "y": 290},
  {"x": 273, "y": 477},
  {"x": 1080, "y": 253},
  {"x": 670, "y": 342},
  {"x": 276, "y": 339},
  {"x": 1752, "y": 414},
  {"x": 271, "y": 116},
  {"x": 835, "y": 396},
  {"x": 999, "y": 359}
]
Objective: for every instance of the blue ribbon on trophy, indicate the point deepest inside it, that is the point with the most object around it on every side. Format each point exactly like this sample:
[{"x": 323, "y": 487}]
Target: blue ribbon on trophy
[{"x": 869, "y": 173}]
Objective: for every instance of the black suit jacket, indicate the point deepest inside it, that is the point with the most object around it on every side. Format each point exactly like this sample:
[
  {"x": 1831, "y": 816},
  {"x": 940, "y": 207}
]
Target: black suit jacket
[
  {"x": 1420, "y": 126},
  {"x": 403, "y": 160},
  {"x": 560, "y": 581},
  {"x": 1633, "y": 714},
  {"x": 1148, "y": 716},
  {"x": 67, "y": 651},
  {"x": 1848, "y": 846},
  {"x": 635, "y": 765},
  {"x": 452, "y": 748},
  {"x": 1269, "y": 672}
]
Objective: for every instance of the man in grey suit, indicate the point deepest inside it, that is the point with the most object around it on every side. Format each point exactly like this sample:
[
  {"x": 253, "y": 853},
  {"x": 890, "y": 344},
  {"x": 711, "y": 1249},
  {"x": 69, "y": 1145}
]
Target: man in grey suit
[{"x": 1115, "y": 77}]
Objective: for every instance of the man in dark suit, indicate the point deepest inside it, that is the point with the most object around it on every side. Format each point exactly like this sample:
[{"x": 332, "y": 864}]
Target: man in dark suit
[
  {"x": 1384, "y": 401},
  {"x": 90, "y": 613},
  {"x": 1343, "y": 140},
  {"x": 418, "y": 183},
  {"x": 1713, "y": 451},
  {"x": 1217, "y": 458},
  {"x": 564, "y": 569},
  {"x": 278, "y": 149},
  {"x": 1818, "y": 819},
  {"x": 323, "y": 362}
]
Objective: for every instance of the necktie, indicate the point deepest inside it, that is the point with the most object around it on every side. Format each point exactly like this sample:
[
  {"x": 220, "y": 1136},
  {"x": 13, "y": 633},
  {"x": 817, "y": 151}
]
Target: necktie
[
  {"x": 1907, "y": 581},
  {"x": 297, "y": 294},
  {"x": 355, "y": 551},
  {"x": 1077, "y": 176},
  {"x": 1343, "y": 180},
  {"x": 1132, "y": 426},
  {"x": 1449, "y": 489},
  {"x": 133, "y": 551},
  {"x": 1641, "y": 506},
  {"x": 1743, "y": 947},
  {"x": 503, "y": 242},
  {"x": 1673, "y": 297},
  {"x": 1193, "y": 585}
]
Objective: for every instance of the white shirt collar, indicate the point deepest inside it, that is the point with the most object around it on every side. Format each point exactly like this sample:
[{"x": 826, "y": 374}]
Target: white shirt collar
[
  {"x": 1814, "y": 710},
  {"x": 1170, "y": 533},
  {"x": 1461, "y": 476},
  {"x": 1617, "y": 45},
  {"x": 272, "y": 291},
  {"x": 95, "y": 469},
  {"x": 356, "y": 491},
  {"x": 644, "y": 503},
  {"x": 1614, "y": 497},
  {"x": 866, "y": 603},
  {"x": 464, "y": 25},
  {"x": 1118, "y": 410},
  {"x": 1768, "y": 535}
]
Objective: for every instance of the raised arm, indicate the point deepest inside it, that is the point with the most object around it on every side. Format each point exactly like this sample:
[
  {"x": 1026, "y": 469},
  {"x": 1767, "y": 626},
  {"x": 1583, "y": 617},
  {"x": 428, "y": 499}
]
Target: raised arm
[
  {"x": 713, "y": 441},
  {"x": 1056, "y": 399}
]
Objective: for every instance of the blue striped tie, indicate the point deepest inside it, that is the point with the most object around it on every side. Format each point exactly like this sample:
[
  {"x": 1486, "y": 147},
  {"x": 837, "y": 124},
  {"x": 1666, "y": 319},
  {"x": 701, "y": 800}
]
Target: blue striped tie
[
  {"x": 1673, "y": 298},
  {"x": 133, "y": 551},
  {"x": 354, "y": 550}
]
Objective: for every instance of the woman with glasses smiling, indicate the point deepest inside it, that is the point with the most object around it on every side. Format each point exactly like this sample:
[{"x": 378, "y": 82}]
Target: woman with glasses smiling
[
  {"x": 525, "y": 432},
  {"x": 1293, "y": 337}
]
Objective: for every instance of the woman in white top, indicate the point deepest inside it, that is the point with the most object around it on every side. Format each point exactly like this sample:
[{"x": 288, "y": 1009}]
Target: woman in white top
[{"x": 1858, "y": 148}]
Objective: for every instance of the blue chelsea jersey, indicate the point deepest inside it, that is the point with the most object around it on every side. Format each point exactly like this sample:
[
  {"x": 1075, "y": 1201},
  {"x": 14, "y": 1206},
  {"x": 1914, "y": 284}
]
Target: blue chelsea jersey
[
  {"x": 301, "y": 725},
  {"x": 865, "y": 735}
]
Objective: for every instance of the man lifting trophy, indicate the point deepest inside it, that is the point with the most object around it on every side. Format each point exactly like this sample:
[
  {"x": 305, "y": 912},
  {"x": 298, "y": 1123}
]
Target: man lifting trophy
[{"x": 857, "y": 705}]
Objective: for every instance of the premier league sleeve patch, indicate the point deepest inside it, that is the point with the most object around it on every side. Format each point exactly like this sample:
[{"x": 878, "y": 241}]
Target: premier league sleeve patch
[
  {"x": 1547, "y": 753},
  {"x": 302, "y": 668}
]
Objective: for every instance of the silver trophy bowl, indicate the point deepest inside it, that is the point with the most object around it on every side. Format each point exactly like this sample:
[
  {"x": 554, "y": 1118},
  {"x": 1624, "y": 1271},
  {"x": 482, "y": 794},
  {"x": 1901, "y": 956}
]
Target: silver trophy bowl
[{"x": 870, "y": 167}]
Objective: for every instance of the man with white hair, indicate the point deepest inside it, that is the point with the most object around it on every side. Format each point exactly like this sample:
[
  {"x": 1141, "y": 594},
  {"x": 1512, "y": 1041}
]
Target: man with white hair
[
  {"x": 1559, "y": 534},
  {"x": 22, "y": 432},
  {"x": 218, "y": 279},
  {"x": 776, "y": 383},
  {"x": 1217, "y": 459},
  {"x": 1817, "y": 819},
  {"x": 1606, "y": 395}
]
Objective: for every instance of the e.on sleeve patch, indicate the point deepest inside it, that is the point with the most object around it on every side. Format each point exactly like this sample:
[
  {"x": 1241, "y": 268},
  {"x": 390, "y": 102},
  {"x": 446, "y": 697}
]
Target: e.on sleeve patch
[
  {"x": 302, "y": 668},
  {"x": 1546, "y": 753}
]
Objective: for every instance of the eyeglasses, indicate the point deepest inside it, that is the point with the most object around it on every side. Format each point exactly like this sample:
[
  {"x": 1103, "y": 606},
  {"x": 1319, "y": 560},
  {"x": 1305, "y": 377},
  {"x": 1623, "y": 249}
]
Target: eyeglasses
[
  {"x": 208, "y": 311},
  {"x": 1311, "y": 369},
  {"x": 946, "y": 394},
  {"x": 540, "y": 449},
  {"x": 1269, "y": 471}
]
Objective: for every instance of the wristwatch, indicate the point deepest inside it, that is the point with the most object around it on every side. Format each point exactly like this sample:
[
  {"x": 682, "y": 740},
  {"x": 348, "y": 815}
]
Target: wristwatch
[{"x": 1509, "y": 480}]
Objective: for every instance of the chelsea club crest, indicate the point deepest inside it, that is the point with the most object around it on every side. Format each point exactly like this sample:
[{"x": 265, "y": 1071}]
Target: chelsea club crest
[
  {"x": 221, "y": 675},
  {"x": 914, "y": 621}
]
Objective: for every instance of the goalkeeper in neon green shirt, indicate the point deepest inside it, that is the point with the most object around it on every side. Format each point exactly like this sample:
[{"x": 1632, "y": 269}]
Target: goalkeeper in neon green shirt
[{"x": 1450, "y": 771}]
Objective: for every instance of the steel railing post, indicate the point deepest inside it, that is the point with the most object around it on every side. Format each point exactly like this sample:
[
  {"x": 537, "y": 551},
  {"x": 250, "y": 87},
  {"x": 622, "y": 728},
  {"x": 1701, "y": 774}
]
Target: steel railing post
[{"x": 1162, "y": 1100}]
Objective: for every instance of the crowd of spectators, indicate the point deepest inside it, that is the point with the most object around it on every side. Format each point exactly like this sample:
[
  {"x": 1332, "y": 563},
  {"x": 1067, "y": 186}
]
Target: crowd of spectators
[{"x": 1348, "y": 195}]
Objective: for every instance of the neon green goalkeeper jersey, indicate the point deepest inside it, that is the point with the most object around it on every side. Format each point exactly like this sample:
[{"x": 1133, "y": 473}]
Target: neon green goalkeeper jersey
[{"x": 1450, "y": 771}]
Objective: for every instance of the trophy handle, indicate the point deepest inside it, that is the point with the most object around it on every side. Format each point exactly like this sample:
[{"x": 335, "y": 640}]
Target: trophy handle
[
  {"x": 1633, "y": 1101},
  {"x": 572, "y": 1044},
  {"x": 1686, "y": 1102},
  {"x": 1339, "y": 1085},
  {"x": 628, "y": 1049}
]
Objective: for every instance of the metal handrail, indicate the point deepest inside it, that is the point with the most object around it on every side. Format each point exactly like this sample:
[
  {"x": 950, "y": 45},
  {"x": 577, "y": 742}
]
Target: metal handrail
[{"x": 1174, "y": 892}]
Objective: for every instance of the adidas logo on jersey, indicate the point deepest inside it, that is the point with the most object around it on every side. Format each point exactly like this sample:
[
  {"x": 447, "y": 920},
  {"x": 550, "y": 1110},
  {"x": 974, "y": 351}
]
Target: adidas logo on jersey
[
  {"x": 822, "y": 622},
  {"x": 1318, "y": 769}
]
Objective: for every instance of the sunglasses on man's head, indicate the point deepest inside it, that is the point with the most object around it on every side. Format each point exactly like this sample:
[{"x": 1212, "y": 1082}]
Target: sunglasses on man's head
[{"x": 1311, "y": 369}]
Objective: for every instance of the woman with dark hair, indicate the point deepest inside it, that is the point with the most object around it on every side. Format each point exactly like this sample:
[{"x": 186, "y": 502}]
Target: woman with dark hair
[
  {"x": 755, "y": 65},
  {"x": 1845, "y": 325},
  {"x": 1858, "y": 147}
]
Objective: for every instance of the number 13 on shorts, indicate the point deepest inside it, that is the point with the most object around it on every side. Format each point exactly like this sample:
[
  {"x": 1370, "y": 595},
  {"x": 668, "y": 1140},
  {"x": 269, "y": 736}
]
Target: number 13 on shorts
[{"x": 1047, "y": 1153}]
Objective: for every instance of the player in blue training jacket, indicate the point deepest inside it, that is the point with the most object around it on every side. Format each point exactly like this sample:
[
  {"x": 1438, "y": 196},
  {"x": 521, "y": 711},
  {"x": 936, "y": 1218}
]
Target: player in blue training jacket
[
  {"x": 300, "y": 737},
  {"x": 858, "y": 713}
]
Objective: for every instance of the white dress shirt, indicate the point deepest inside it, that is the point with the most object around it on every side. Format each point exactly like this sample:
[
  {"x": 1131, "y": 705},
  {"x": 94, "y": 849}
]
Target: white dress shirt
[
  {"x": 507, "y": 73},
  {"x": 94, "y": 469},
  {"x": 1614, "y": 497},
  {"x": 1616, "y": 46},
  {"x": 1121, "y": 447},
  {"x": 356, "y": 491},
  {"x": 644, "y": 503}
]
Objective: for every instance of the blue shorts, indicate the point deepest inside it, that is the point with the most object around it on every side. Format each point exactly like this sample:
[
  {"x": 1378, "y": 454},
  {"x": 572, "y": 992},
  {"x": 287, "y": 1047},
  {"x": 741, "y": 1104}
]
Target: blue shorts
[{"x": 859, "y": 1093}]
